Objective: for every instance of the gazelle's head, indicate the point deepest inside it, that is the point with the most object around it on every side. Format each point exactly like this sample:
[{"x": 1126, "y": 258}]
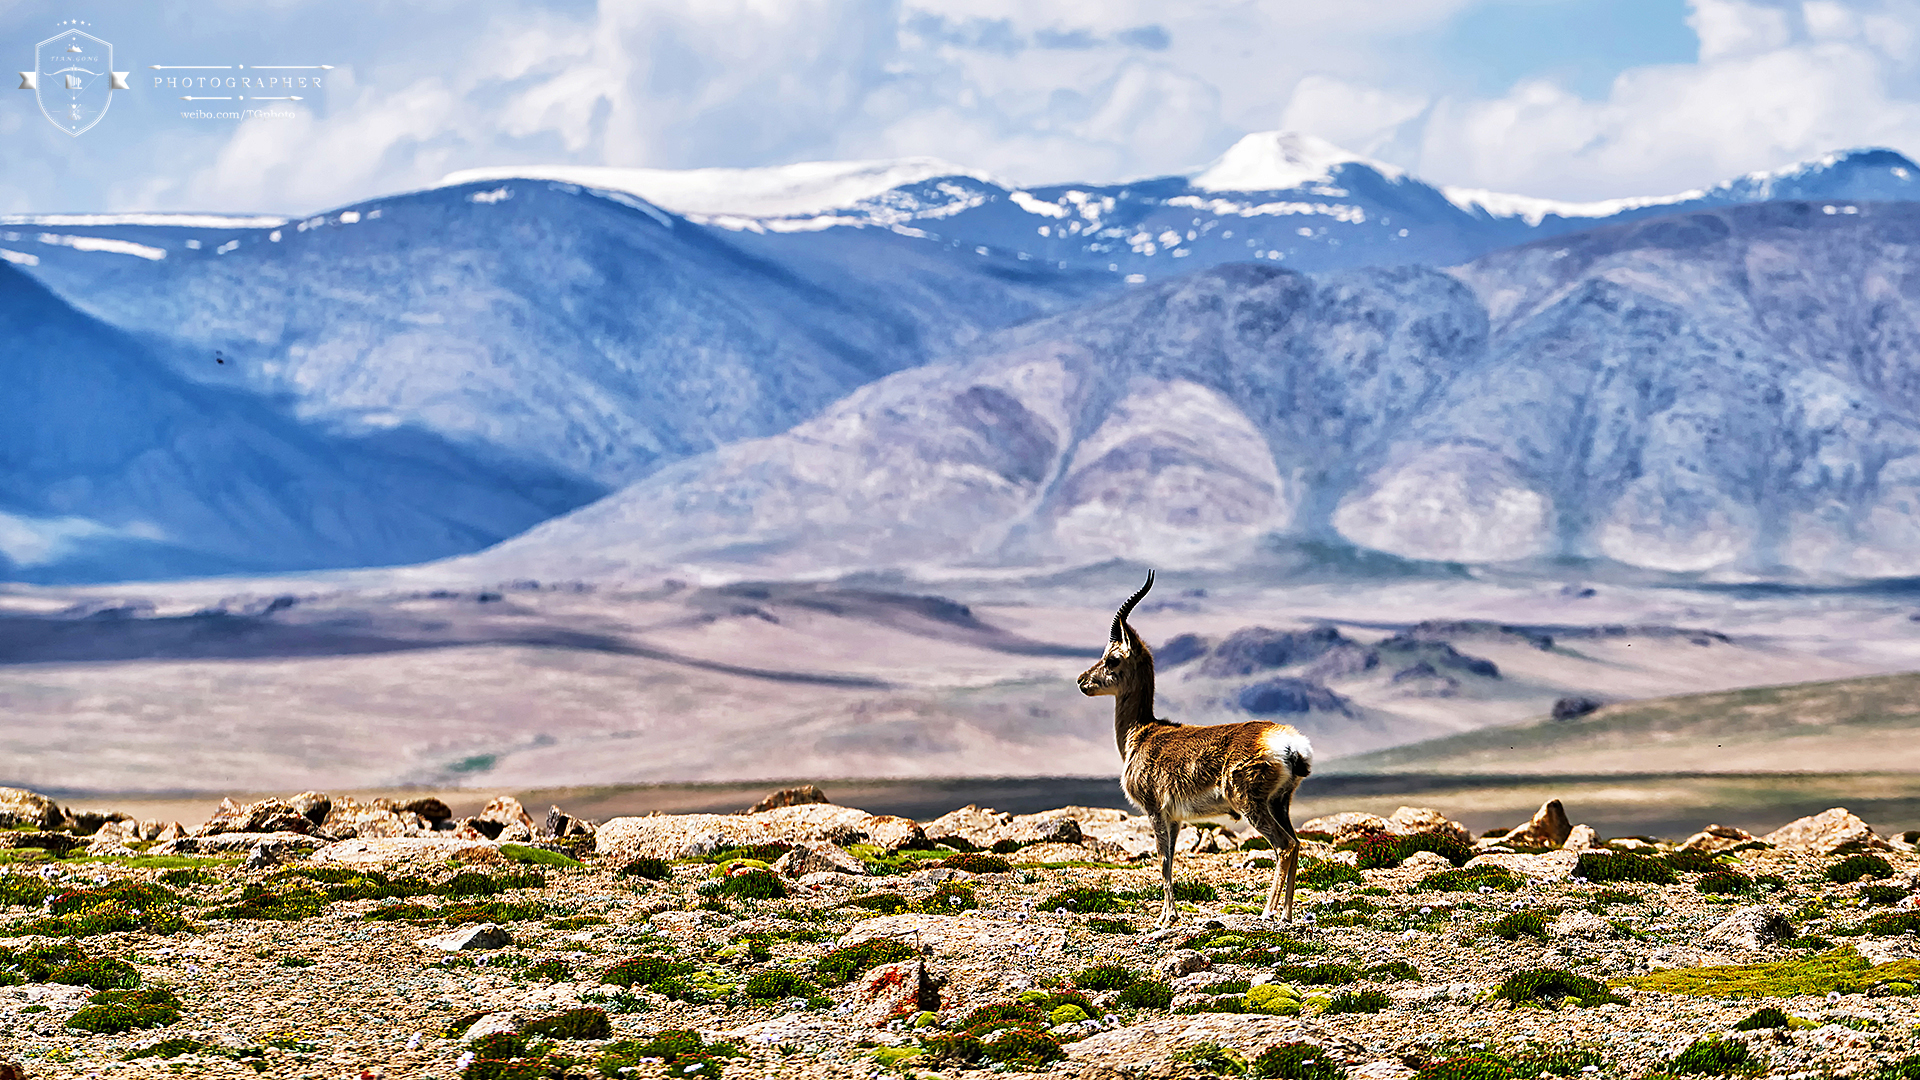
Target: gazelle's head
[{"x": 1126, "y": 654}]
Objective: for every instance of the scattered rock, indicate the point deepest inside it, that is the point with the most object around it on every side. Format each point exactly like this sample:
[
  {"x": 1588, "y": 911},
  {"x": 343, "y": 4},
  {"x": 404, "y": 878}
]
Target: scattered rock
[
  {"x": 1194, "y": 841},
  {"x": 265, "y": 816},
  {"x": 1113, "y": 834},
  {"x": 793, "y": 796},
  {"x": 1342, "y": 826},
  {"x": 18, "y": 806},
  {"x": 507, "y": 810},
  {"x": 1546, "y": 866},
  {"x": 1549, "y": 828},
  {"x": 313, "y": 805},
  {"x": 1716, "y": 838},
  {"x": 960, "y": 935},
  {"x": 1583, "y": 925},
  {"x": 1383, "y": 1069},
  {"x": 500, "y": 1023},
  {"x": 11, "y": 1070},
  {"x": 392, "y": 850},
  {"x": 818, "y": 857},
  {"x": 895, "y": 992},
  {"x": 236, "y": 842},
  {"x": 57, "y": 843},
  {"x": 1144, "y": 1049},
  {"x": 1181, "y": 962},
  {"x": 682, "y": 836},
  {"x": 88, "y": 822},
  {"x": 430, "y": 808},
  {"x": 1428, "y": 860},
  {"x": 1582, "y": 838},
  {"x": 270, "y": 853},
  {"x": 971, "y": 823},
  {"x": 478, "y": 936},
  {"x": 1419, "y": 819},
  {"x": 1824, "y": 833},
  {"x": 1754, "y": 927}
]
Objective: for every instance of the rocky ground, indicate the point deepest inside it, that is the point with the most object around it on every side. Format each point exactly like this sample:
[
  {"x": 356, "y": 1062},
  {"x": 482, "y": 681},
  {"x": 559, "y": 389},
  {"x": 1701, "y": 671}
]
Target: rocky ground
[{"x": 299, "y": 938}]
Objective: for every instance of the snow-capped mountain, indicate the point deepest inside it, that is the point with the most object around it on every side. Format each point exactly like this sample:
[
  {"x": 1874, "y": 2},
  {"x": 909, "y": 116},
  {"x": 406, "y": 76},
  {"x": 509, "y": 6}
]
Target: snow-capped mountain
[
  {"x": 548, "y": 335},
  {"x": 1723, "y": 391},
  {"x": 1280, "y": 197}
]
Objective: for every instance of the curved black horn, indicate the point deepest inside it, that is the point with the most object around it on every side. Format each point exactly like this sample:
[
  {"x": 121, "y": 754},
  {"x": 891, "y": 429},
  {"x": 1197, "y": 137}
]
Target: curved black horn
[{"x": 1127, "y": 608}]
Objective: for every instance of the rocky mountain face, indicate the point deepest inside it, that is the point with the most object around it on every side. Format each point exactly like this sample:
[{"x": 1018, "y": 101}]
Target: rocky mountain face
[{"x": 1720, "y": 391}]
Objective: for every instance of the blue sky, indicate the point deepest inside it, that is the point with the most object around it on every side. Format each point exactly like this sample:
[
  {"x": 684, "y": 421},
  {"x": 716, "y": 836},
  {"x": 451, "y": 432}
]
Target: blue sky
[{"x": 1561, "y": 98}]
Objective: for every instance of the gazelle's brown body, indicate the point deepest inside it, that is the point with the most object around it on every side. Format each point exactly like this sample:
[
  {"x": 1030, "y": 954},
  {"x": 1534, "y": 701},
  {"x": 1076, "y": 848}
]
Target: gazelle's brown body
[{"x": 1176, "y": 774}]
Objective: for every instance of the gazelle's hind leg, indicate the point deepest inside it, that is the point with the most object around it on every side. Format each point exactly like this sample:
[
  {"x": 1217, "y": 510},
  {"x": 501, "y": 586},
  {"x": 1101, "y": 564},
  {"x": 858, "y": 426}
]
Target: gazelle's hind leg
[
  {"x": 1271, "y": 818},
  {"x": 1165, "y": 832}
]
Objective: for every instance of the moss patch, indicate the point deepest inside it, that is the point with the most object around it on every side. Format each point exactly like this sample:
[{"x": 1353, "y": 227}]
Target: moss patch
[{"x": 1842, "y": 969}]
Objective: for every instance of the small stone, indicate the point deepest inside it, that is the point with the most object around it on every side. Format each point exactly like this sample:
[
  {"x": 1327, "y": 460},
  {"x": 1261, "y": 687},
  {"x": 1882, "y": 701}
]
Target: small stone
[
  {"x": 11, "y": 1070},
  {"x": 793, "y": 796},
  {"x": 1181, "y": 962},
  {"x": 1753, "y": 927},
  {"x": 1580, "y": 924},
  {"x": 1428, "y": 860},
  {"x": 268, "y": 854},
  {"x": 895, "y": 992},
  {"x": 817, "y": 857},
  {"x": 1824, "y": 833},
  {"x": 480, "y": 936},
  {"x": 1549, "y": 828},
  {"x": 1716, "y": 838},
  {"x": 1582, "y": 838},
  {"x": 500, "y": 1023}
]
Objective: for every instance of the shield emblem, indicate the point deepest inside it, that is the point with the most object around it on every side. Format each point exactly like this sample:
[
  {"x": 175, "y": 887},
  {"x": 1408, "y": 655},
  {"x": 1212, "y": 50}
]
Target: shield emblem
[{"x": 74, "y": 79}]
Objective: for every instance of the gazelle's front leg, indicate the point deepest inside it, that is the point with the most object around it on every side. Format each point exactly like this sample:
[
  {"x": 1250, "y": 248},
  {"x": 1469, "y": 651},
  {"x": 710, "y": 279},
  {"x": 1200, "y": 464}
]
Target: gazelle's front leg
[{"x": 1165, "y": 832}]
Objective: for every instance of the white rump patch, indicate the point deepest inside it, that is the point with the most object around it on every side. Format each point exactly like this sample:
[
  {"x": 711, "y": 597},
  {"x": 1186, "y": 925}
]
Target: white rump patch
[{"x": 1282, "y": 742}]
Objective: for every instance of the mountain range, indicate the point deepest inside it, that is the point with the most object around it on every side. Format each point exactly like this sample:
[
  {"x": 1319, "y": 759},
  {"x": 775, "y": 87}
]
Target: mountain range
[{"x": 843, "y": 365}]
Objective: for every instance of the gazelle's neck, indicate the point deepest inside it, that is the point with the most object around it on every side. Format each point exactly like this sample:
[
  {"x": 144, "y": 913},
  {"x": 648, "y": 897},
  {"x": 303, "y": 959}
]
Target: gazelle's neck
[{"x": 1133, "y": 708}]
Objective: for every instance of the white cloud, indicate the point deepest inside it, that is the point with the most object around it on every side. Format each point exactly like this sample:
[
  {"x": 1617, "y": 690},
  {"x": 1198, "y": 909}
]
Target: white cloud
[{"x": 1039, "y": 91}]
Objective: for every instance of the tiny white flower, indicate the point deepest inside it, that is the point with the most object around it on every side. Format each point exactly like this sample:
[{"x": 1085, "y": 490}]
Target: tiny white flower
[
  {"x": 413, "y": 1041},
  {"x": 466, "y": 1059}
]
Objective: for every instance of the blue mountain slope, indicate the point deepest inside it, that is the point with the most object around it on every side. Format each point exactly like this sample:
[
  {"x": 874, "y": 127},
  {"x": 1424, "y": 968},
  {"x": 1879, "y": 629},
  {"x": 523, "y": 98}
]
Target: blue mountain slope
[
  {"x": 1729, "y": 391},
  {"x": 112, "y": 467},
  {"x": 586, "y": 333}
]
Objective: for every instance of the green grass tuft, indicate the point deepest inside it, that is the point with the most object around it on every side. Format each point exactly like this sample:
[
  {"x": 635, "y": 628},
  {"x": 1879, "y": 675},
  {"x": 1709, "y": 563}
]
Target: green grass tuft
[
  {"x": 1854, "y": 867},
  {"x": 111, "y": 1012}
]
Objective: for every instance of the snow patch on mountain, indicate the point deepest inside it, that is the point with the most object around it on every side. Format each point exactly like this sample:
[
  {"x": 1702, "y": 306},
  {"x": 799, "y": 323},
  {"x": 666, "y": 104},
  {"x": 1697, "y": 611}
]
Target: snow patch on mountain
[
  {"x": 781, "y": 191},
  {"x": 1281, "y": 161}
]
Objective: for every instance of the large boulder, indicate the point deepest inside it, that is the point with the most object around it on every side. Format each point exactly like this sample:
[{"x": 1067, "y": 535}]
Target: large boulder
[
  {"x": 231, "y": 843},
  {"x": 1548, "y": 828},
  {"x": 1825, "y": 833},
  {"x": 684, "y": 836},
  {"x": 895, "y": 992},
  {"x": 396, "y": 850},
  {"x": 18, "y": 806}
]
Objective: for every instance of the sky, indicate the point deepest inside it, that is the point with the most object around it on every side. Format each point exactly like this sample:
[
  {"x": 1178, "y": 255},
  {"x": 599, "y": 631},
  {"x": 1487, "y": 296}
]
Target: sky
[{"x": 1569, "y": 99}]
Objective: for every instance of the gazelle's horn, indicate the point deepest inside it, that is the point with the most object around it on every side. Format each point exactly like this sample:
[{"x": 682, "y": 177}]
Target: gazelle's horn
[{"x": 1127, "y": 608}]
